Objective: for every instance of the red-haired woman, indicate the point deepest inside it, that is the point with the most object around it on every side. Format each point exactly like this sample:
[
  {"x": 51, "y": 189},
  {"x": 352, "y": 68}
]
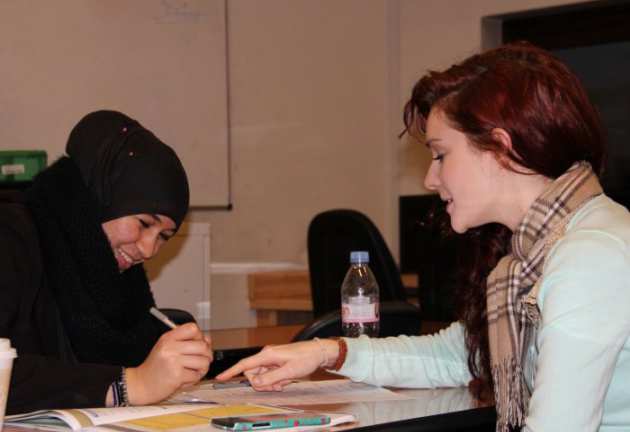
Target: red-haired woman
[{"x": 545, "y": 323}]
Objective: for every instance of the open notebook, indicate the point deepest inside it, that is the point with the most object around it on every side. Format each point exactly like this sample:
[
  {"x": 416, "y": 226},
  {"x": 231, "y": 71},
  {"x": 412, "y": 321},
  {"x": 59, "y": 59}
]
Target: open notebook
[{"x": 145, "y": 418}]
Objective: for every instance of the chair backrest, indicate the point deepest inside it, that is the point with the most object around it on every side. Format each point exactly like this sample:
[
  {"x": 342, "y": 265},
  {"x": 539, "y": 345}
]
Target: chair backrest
[
  {"x": 332, "y": 235},
  {"x": 396, "y": 318}
]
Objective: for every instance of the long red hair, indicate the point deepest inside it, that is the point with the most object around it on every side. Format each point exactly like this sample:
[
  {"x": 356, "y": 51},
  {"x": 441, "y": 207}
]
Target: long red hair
[{"x": 544, "y": 108}]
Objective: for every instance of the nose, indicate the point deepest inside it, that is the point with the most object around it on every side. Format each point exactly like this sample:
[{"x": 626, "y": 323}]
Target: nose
[
  {"x": 431, "y": 179},
  {"x": 148, "y": 245}
]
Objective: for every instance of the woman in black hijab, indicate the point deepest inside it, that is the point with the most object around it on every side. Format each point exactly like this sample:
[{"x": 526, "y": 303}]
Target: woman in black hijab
[{"x": 74, "y": 297}]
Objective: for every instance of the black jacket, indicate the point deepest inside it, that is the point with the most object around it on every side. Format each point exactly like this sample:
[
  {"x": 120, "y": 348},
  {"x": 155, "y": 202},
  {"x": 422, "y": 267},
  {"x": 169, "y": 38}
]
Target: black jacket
[{"x": 71, "y": 316}]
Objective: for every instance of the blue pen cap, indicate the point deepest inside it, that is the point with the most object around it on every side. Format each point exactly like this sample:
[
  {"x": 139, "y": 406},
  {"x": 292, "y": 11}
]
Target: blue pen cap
[{"x": 359, "y": 257}]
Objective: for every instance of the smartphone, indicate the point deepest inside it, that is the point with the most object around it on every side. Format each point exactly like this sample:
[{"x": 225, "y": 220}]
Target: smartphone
[{"x": 271, "y": 421}]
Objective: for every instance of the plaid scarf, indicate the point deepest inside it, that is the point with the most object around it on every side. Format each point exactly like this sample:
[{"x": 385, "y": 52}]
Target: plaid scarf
[{"x": 512, "y": 287}]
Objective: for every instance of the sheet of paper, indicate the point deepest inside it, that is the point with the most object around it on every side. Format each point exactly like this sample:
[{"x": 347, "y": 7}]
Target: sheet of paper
[
  {"x": 102, "y": 416},
  {"x": 199, "y": 417},
  {"x": 299, "y": 393},
  {"x": 199, "y": 420},
  {"x": 86, "y": 417}
]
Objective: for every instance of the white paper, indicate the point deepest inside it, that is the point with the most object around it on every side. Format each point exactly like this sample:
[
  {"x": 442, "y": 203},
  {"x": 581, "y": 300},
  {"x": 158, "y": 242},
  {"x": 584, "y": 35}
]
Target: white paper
[
  {"x": 298, "y": 393},
  {"x": 57, "y": 419}
]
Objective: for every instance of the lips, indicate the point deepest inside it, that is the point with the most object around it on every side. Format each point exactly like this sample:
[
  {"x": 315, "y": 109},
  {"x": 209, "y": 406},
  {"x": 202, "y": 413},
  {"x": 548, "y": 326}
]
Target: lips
[
  {"x": 124, "y": 260},
  {"x": 449, "y": 203}
]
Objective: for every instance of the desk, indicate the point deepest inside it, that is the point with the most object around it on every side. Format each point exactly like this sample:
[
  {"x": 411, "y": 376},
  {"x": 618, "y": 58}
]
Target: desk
[
  {"x": 445, "y": 409},
  {"x": 272, "y": 294},
  {"x": 451, "y": 409},
  {"x": 431, "y": 410}
]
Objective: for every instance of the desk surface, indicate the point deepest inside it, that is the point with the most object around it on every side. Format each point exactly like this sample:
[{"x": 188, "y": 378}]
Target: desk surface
[
  {"x": 445, "y": 409},
  {"x": 451, "y": 409}
]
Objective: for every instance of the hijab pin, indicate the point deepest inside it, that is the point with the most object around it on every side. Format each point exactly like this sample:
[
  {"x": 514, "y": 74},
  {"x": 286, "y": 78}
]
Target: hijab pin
[{"x": 124, "y": 129}]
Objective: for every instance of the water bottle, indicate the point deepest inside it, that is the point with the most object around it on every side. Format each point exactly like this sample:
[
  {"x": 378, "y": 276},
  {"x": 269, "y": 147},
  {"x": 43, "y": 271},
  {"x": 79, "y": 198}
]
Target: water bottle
[{"x": 359, "y": 298}]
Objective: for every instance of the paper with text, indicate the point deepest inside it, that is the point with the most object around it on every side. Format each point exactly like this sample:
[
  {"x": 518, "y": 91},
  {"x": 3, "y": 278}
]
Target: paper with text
[
  {"x": 298, "y": 393},
  {"x": 144, "y": 418},
  {"x": 200, "y": 417}
]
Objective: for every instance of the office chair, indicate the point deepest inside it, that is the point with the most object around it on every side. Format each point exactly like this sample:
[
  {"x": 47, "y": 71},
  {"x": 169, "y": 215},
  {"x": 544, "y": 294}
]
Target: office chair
[
  {"x": 396, "y": 318},
  {"x": 332, "y": 235}
]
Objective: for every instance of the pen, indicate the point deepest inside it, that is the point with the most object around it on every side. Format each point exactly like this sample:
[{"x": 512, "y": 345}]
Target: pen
[
  {"x": 159, "y": 315},
  {"x": 231, "y": 384}
]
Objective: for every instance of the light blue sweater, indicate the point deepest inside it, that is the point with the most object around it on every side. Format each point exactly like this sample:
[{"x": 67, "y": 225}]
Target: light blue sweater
[{"x": 578, "y": 365}]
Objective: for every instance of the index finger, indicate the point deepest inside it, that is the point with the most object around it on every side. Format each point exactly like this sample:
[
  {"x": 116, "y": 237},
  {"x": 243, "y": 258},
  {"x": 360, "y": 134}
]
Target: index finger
[{"x": 243, "y": 365}]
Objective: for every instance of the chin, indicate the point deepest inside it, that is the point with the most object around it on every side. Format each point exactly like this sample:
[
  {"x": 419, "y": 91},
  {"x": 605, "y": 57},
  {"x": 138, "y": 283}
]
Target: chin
[{"x": 459, "y": 228}]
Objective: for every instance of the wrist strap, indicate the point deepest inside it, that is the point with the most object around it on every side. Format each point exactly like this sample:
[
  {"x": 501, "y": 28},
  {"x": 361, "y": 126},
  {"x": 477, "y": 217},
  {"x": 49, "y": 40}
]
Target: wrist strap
[{"x": 119, "y": 390}]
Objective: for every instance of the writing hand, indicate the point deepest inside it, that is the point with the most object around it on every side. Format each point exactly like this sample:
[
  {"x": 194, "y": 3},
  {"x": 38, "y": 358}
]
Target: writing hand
[{"x": 180, "y": 357}]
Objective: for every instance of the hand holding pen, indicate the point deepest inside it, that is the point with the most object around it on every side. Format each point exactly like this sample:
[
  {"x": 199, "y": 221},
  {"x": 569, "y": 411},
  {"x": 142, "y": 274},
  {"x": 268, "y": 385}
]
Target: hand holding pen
[
  {"x": 180, "y": 357},
  {"x": 160, "y": 315},
  {"x": 218, "y": 386}
]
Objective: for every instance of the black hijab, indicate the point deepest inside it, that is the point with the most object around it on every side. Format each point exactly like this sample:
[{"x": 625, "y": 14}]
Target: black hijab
[{"x": 127, "y": 168}]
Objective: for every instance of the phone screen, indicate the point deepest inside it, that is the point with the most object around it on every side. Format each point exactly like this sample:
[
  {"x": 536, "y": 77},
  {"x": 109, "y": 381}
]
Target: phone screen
[{"x": 271, "y": 421}]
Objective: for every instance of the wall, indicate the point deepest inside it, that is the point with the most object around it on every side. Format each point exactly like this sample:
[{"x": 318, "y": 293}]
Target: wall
[
  {"x": 308, "y": 93},
  {"x": 162, "y": 62},
  {"x": 316, "y": 93}
]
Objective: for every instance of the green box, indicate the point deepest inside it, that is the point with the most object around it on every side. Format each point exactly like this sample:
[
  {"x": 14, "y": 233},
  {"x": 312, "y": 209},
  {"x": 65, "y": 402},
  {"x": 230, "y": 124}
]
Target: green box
[{"x": 21, "y": 165}]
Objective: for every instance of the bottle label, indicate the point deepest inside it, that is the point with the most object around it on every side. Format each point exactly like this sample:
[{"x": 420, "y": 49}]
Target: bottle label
[{"x": 359, "y": 310}]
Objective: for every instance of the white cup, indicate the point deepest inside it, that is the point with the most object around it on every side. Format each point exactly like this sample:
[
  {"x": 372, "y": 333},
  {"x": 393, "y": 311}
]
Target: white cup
[{"x": 7, "y": 354}]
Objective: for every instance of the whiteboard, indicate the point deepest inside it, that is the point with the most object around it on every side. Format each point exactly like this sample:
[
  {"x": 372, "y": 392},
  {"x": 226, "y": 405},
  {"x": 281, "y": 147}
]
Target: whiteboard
[{"x": 162, "y": 62}]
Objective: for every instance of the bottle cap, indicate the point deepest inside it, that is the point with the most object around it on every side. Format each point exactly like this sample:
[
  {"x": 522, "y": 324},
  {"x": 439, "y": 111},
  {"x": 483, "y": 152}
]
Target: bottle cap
[{"x": 359, "y": 257}]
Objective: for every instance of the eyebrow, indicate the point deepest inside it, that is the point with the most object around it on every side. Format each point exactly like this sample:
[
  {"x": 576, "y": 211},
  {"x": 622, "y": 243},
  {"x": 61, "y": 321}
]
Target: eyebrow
[{"x": 429, "y": 142}]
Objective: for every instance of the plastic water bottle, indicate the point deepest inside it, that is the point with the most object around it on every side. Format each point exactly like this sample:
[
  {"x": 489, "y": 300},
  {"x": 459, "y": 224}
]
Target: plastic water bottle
[{"x": 359, "y": 298}]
